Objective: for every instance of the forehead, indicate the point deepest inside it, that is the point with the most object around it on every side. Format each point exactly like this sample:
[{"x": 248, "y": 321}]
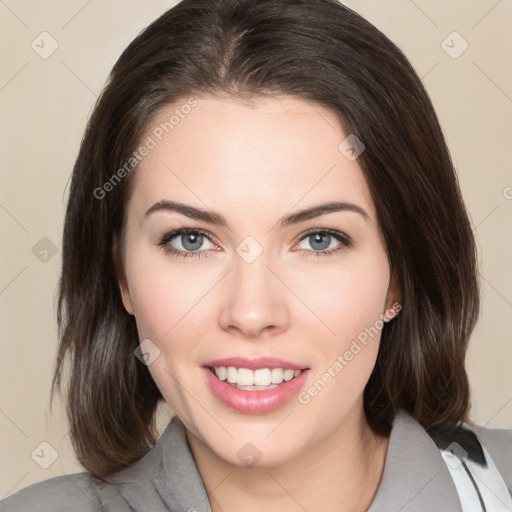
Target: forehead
[{"x": 266, "y": 155}]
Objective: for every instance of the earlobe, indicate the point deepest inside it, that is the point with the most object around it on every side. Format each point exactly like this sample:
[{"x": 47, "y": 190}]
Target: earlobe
[
  {"x": 121, "y": 278},
  {"x": 394, "y": 299},
  {"x": 125, "y": 296}
]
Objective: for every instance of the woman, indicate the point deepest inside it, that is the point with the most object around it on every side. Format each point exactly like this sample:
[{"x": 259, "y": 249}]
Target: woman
[{"x": 265, "y": 230}]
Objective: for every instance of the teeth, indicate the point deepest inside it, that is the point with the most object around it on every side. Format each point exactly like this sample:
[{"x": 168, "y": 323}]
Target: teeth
[
  {"x": 244, "y": 377},
  {"x": 221, "y": 372},
  {"x": 288, "y": 374},
  {"x": 277, "y": 375},
  {"x": 262, "y": 378},
  {"x": 256, "y": 388},
  {"x": 231, "y": 374}
]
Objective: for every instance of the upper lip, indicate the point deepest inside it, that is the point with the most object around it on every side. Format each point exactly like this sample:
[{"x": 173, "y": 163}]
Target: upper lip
[{"x": 254, "y": 363}]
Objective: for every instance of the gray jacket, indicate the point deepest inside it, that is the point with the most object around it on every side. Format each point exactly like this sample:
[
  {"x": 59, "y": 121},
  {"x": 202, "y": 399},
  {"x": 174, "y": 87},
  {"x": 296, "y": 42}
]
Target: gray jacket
[{"x": 415, "y": 478}]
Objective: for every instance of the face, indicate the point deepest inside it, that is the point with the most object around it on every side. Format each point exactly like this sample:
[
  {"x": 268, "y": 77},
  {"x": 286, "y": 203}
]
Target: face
[{"x": 223, "y": 268}]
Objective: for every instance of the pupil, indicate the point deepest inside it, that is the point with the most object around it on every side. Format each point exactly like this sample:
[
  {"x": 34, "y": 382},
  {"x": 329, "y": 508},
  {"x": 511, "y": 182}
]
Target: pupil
[
  {"x": 192, "y": 241},
  {"x": 317, "y": 239}
]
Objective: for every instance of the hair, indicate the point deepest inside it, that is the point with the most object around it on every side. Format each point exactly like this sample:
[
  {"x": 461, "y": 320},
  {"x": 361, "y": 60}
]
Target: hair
[{"x": 322, "y": 52}]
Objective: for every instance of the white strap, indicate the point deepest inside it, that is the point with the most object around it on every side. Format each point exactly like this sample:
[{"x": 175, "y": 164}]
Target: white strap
[{"x": 480, "y": 488}]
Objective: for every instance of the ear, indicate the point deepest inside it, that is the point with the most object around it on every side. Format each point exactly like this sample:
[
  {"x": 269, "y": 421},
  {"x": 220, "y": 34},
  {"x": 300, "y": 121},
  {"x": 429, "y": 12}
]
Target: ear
[
  {"x": 121, "y": 276},
  {"x": 393, "y": 299}
]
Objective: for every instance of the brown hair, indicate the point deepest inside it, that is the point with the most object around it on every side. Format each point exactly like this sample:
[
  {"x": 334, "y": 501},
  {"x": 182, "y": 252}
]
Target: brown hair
[{"x": 322, "y": 52}]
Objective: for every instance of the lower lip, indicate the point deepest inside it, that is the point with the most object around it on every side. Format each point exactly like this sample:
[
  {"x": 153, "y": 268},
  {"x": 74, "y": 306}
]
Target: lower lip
[{"x": 255, "y": 402}]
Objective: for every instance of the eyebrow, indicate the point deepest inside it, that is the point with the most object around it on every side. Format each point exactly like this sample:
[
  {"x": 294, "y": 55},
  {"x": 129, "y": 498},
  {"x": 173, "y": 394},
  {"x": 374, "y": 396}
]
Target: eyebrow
[{"x": 216, "y": 219}]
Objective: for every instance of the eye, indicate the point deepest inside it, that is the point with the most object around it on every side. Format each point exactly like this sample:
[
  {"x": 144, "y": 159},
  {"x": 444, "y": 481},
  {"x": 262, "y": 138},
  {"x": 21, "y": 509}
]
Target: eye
[
  {"x": 186, "y": 243},
  {"x": 324, "y": 242},
  {"x": 189, "y": 243}
]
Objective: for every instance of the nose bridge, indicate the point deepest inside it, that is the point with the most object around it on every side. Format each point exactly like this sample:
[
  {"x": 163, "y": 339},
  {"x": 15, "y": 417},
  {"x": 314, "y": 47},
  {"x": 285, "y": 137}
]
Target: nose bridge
[{"x": 254, "y": 299}]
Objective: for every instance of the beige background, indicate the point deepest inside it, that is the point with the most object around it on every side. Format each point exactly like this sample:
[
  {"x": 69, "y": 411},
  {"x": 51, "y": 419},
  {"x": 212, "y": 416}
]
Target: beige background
[{"x": 45, "y": 104}]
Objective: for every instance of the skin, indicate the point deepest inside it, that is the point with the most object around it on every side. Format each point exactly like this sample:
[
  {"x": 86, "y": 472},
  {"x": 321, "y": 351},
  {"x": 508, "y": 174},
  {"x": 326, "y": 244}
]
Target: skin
[{"x": 253, "y": 164}]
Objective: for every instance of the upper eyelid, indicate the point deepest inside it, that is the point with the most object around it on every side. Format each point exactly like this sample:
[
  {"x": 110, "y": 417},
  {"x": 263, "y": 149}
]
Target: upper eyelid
[
  {"x": 183, "y": 231},
  {"x": 212, "y": 237},
  {"x": 324, "y": 230}
]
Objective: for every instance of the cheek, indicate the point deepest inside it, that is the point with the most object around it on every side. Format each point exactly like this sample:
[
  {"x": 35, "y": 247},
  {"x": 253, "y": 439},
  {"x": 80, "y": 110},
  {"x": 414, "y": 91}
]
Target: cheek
[
  {"x": 352, "y": 305},
  {"x": 351, "y": 297},
  {"x": 166, "y": 306},
  {"x": 339, "y": 328},
  {"x": 163, "y": 293},
  {"x": 343, "y": 298}
]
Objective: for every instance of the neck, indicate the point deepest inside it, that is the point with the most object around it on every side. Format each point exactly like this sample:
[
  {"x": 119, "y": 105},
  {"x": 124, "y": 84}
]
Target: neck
[{"x": 339, "y": 474}]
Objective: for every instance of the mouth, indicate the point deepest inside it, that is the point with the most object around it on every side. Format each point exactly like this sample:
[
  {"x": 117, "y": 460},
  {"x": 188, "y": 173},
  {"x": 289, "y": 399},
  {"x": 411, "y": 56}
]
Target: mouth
[
  {"x": 254, "y": 386},
  {"x": 260, "y": 379}
]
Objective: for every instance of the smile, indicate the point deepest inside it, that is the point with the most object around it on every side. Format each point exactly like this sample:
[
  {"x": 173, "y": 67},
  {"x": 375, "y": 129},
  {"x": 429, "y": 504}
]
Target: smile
[
  {"x": 254, "y": 385},
  {"x": 254, "y": 380}
]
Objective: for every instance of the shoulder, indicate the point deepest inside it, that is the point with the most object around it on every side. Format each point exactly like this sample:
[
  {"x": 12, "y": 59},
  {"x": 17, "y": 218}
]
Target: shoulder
[
  {"x": 165, "y": 478},
  {"x": 498, "y": 442},
  {"x": 55, "y": 495},
  {"x": 495, "y": 437}
]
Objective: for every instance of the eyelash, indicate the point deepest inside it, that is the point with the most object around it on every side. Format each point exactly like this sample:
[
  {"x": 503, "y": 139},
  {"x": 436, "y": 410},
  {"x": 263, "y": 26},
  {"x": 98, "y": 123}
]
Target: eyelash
[{"x": 168, "y": 237}]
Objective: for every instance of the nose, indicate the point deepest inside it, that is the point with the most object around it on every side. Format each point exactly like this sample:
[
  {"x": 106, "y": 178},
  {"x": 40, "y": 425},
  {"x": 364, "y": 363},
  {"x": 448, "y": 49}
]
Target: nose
[{"x": 254, "y": 300}]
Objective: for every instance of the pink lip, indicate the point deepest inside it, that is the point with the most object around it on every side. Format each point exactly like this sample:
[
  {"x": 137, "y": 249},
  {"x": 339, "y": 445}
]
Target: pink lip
[
  {"x": 254, "y": 363},
  {"x": 254, "y": 402}
]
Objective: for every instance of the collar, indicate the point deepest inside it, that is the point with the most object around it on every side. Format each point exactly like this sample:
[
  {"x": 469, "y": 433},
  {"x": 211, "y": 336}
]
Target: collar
[{"x": 415, "y": 477}]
